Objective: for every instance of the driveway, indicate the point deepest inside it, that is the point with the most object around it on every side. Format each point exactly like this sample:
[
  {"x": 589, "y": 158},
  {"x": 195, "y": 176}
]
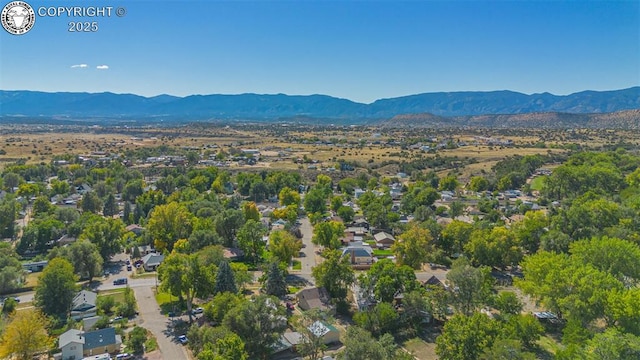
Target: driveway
[{"x": 159, "y": 325}]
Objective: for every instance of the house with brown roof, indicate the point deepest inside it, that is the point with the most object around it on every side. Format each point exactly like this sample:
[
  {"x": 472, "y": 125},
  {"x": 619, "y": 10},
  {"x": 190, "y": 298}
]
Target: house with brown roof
[{"x": 314, "y": 298}]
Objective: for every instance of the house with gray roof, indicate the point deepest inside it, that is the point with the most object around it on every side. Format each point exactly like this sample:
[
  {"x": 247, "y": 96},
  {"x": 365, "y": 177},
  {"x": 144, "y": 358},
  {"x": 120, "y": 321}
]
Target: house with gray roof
[
  {"x": 151, "y": 261},
  {"x": 84, "y": 305}
]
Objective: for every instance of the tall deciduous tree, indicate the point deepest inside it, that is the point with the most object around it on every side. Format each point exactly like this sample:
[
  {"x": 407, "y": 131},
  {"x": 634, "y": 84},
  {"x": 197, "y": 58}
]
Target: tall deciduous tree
[
  {"x": 470, "y": 286},
  {"x": 250, "y": 239},
  {"x": 259, "y": 322},
  {"x": 56, "y": 288},
  {"x": 84, "y": 256},
  {"x": 328, "y": 234},
  {"x": 168, "y": 223},
  {"x": 25, "y": 335},
  {"x": 288, "y": 196},
  {"x": 466, "y": 337},
  {"x": 283, "y": 245},
  {"x": 335, "y": 274},
  {"x": 91, "y": 202},
  {"x": 413, "y": 247},
  {"x": 106, "y": 234},
  {"x": 227, "y": 224}
]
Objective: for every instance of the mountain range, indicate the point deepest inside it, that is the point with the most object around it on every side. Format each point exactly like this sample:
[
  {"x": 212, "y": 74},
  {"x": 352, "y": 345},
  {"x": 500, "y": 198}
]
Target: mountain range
[{"x": 460, "y": 105}]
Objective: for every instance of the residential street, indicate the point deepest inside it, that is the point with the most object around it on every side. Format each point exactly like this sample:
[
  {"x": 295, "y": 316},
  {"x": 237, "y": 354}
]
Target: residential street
[
  {"x": 309, "y": 259},
  {"x": 159, "y": 325}
]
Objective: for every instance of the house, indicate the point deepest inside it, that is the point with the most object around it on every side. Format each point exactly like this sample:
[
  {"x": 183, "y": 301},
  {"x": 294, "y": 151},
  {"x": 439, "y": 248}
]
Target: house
[
  {"x": 72, "y": 345},
  {"x": 358, "y": 192},
  {"x": 36, "y": 266},
  {"x": 151, "y": 261},
  {"x": 90, "y": 323},
  {"x": 433, "y": 281},
  {"x": 327, "y": 332},
  {"x": 232, "y": 253},
  {"x": 135, "y": 228},
  {"x": 361, "y": 255},
  {"x": 384, "y": 240},
  {"x": 84, "y": 305},
  {"x": 76, "y": 344},
  {"x": 66, "y": 240},
  {"x": 145, "y": 249},
  {"x": 313, "y": 298}
]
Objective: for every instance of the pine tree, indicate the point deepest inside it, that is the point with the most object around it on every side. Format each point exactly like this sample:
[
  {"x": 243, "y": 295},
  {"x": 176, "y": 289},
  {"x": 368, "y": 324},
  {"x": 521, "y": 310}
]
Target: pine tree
[
  {"x": 225, "y": 280},
  {"x": 110, "y": 207},
  {"x": 126, "y": 216},
  {"x": 275, "y": 283}
]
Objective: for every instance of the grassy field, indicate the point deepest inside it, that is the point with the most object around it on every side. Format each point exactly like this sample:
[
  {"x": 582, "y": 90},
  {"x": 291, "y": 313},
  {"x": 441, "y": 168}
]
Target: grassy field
[
  {"x": 382, "y": 253},
  {"x": 537, "y": 183}
]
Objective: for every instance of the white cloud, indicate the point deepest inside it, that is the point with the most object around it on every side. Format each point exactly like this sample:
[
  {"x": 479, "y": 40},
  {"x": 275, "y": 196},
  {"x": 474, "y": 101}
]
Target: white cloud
[
  {"x": 102, "y": 67},
  {"x": 82, "y": 66}
]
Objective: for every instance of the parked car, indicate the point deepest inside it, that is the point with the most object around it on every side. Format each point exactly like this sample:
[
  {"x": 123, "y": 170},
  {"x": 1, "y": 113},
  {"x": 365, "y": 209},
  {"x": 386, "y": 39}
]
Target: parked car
[
  {"x": 120, "y": 281},
  {"x": 117, "y": 318},
  {"x": 183, "y": 339},
  {"x": 125, "y": 356},
  {"x": 129, "y": 267},
  {"x": 198, "y": 310}
]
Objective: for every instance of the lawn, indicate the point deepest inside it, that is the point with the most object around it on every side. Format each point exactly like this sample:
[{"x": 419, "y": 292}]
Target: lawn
[
  {"x": 382, "y": 253},
  {"x": 537, "y": 182},
  {"x": 168, "y": 303},
  {"x": 117, "y": 294},
  {"x": 421, "y": 349},
  {"x": 297, "y": 265},
  {"x": 32, "y": 279}
]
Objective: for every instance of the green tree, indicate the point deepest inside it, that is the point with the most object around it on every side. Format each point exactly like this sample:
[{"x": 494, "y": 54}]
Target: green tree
[
  {"x": 168, "y": 223},
  {"x": 11, "y": 272},
  {"x": 413, "y": 246},
  {"x": 91, "y": 202},
  {"x": 385, "y": 279},
  {"x": 127, "y": 308},
  {"x": 449, "y": 183},
  {"x": 529, "y": 231},
  {"x": 229, "y": 347},
  {"x": 359, "y": 344},
  {"x": 221, "y": 304},
  {"x": 335, "y": 274},
  {"x": 110, "y": 207},
  {"x": 383, "y": 318},
  {"x": 227, "y": 224},
  {"x": 84, "y": 256},
  {"x": 259, "y": 323},
  {"x": 284, "y": 246},
  {"x": 454, "y": 237},
  {"x": 328, "y": 234},
  {"x": 470, "y": 284},
  {"x": 506, "y": 349},
  {"x": 507, "y": 303},
  {"x": 105, "y": 304},
  {"x": 106, "y": 234},
  {"x": 56, "y": 288},
  {"x": 25, "y": 336},
  {"x": 136, "y": 339},
  {"x": 613, "y": 344},
  {"x": 617, "y": 257},
  {"x": 250, "y": 239},
  {"x": 346, "y": 213},
  {"x": 315, "y": 201},
  {"x": 275, "y": 281},
  {"x": 42, "y": 206},
  {"x": 478, "y": 183},
  {"x": 225, "y": 282},
  {"x": 184, "y": 276},
  {"x": 466, "y": 337}
]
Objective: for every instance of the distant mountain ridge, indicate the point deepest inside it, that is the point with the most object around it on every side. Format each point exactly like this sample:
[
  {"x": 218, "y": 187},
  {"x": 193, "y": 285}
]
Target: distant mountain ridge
[
  {"x": 625, "y": 119},
  {"x": 277, "y": 106}
]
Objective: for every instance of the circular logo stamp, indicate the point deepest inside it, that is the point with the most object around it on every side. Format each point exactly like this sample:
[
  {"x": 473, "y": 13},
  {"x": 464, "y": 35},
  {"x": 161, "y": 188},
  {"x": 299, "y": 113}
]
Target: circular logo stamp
[{"x": 18, "y": 17}]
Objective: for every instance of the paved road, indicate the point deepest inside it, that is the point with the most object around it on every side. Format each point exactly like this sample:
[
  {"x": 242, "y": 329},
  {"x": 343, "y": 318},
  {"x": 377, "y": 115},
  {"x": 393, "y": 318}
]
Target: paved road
[
  {"x": 308, "y": 261},
  {"x": 159, "y": 325}
]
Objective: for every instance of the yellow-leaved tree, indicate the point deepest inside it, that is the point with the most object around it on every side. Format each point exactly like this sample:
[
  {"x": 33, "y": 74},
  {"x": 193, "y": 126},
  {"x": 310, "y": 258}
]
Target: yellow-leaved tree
[{"x": 25, "y": 335}]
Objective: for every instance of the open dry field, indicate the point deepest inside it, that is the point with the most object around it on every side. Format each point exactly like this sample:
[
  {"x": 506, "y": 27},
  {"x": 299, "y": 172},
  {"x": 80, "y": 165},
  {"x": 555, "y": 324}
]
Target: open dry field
[{"x": 301, "y": 147}]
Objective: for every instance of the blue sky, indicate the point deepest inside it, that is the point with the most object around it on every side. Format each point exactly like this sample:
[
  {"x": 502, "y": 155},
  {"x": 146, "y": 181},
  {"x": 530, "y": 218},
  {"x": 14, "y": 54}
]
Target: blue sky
[{"x": 360, "y": 50}]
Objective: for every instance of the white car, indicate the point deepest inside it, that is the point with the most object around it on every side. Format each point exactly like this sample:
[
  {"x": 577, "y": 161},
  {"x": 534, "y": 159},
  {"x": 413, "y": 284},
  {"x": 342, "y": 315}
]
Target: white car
[{"x": 183, "y": 339}]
